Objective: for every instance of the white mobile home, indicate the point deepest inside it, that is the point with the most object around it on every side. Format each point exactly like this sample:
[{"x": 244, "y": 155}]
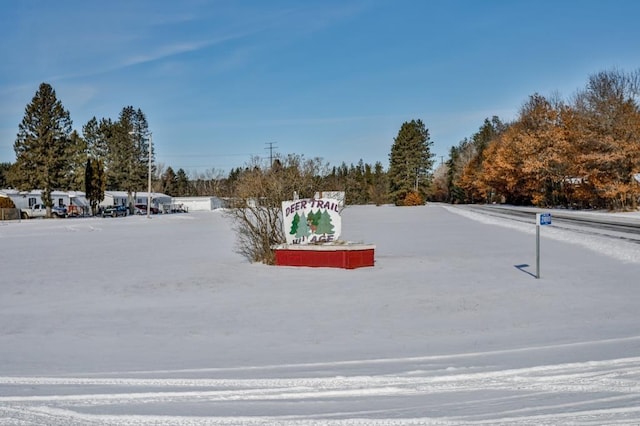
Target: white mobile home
[
  {"x": 26, "y": 199},
  {"x": 114, "y": 198},
  {"x": 60, "y": 198},
  {"x": 21, "y": 199},
  {"x": 120, "y": 198},
  {"x": 158, "y": 200},
  {"x": 192, "y": 204}
]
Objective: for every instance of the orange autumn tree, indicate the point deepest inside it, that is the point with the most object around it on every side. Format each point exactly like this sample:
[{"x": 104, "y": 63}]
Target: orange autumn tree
[
  {"x": 475, "y": 188},
  {"x": 459, "y": 157},
  {"x": 607, "y": 136},
  {"x": 470, "y": 161},
  {"x": 547, "y": 163},
  {"x": 528, "y": 163},
  {"x": 503, "y": 167}
]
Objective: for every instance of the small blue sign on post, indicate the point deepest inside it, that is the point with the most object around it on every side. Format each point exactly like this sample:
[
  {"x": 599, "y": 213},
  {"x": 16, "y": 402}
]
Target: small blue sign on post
[
  {"x": 541, "y": 219},
  {"x": 544, "y": 218}
]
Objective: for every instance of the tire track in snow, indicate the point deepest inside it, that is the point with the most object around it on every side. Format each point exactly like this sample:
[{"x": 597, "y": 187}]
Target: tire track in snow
[
  {"x": 51, "y": 416},
  {"x": 595, "y": 392}
]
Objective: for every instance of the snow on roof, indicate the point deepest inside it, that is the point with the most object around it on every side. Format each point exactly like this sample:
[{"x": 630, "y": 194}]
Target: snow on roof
[
  {"x": 37, "y": 192},
  {"x": 137, "y": 193}
]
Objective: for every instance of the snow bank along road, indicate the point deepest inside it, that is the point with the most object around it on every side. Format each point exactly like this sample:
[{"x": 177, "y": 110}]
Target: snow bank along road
[{"x": 590, "y": 223}]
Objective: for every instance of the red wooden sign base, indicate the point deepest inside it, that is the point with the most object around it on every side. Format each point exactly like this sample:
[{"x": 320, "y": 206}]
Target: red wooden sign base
[{"x": 349, "y": 256}]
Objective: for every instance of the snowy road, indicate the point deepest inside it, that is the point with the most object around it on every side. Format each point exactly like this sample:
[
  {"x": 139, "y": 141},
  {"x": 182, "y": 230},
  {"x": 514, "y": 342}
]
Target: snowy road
[
  {"x": 609, "y": 225},
  {"x": 420, "y": 391}
]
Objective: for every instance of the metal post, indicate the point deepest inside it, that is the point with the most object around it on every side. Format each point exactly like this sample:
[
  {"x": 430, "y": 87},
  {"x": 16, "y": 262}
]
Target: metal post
[
  {"x": 149, "y": 175},
  {"x": 538, "y": 250}
]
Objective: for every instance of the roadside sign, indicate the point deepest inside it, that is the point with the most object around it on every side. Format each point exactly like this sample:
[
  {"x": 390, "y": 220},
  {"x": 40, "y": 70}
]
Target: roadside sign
[{"x": 543, "y": 218}]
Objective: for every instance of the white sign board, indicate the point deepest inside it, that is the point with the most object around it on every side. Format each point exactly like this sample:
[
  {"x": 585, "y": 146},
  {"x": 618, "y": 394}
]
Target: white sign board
[{"x": 311, "y": 220}]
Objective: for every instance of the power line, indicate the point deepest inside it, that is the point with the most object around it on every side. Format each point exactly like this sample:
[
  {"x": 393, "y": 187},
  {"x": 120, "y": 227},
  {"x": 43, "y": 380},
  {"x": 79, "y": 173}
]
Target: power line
[
  {"x": 270, "y": 148},
  {"x": 245, "y": 154}
]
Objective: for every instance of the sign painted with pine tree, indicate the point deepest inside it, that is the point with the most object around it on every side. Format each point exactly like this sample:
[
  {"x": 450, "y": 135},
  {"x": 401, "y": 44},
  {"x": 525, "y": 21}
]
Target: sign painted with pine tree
[{"x": 311, "y": 220}]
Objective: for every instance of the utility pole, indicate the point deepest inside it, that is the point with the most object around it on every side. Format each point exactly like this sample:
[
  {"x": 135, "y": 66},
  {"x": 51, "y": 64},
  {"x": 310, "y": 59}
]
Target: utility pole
[
  {"x": 270, "y": 148},
  {"x": 149, "y": 177}
]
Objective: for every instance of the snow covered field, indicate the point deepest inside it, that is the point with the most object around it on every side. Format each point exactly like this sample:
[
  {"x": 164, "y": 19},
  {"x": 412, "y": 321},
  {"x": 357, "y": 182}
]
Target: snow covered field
[{"x": 136, "y": 321}]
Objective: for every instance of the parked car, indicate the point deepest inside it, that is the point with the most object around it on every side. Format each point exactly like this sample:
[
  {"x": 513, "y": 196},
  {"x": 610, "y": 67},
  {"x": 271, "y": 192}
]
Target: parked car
[
  {"x": 39, "y": 210},
  {"x": 59, "y": 211},
  {"x": 114, "y": 211},
  {"x": 142, "y": 209}
]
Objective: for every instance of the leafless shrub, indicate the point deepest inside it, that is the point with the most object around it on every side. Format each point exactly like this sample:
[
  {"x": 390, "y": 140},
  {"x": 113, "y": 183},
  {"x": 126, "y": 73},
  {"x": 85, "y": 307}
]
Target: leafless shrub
[{"x": 256, "y": 208}]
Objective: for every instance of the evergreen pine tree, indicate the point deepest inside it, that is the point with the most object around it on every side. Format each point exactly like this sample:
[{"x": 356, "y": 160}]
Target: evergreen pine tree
[
  {"x": 73, "y": 179},
  {"x": 183, "y": 186},
  {"x": 4, "y": 173},
  {"x": 169, "y": 182},
  {"x": 42, "y": 144},
  {"x": 88, "y": 172},
  {"x": 379, "y": 185},
  {"x": 94, "y": 183},
  {"x": 410, "y": 161},
  {"x": 96, "y": 135},
  {"x": 129, "y": 146}
]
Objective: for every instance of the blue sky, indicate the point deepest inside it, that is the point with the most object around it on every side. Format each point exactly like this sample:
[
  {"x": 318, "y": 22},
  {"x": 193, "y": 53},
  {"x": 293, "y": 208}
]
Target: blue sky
[{"x": 220, "y": 80}]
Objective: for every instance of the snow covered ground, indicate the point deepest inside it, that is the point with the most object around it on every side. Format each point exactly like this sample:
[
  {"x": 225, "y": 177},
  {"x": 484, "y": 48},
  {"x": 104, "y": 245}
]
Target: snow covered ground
[{"x": 136, "y": 321}]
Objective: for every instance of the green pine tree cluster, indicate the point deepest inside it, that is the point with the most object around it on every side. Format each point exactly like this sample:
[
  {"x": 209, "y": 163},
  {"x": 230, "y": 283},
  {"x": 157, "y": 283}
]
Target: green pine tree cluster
[{"x": 50, "y": 155}]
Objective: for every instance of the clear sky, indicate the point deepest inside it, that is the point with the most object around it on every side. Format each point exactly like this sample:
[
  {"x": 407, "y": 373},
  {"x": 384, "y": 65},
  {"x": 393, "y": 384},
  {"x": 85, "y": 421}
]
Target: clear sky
[{"x": 220, "y": 80}]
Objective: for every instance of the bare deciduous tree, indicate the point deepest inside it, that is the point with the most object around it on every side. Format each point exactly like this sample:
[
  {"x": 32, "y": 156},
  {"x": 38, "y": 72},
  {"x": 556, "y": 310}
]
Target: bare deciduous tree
[{"x": 256, "y": 209}]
